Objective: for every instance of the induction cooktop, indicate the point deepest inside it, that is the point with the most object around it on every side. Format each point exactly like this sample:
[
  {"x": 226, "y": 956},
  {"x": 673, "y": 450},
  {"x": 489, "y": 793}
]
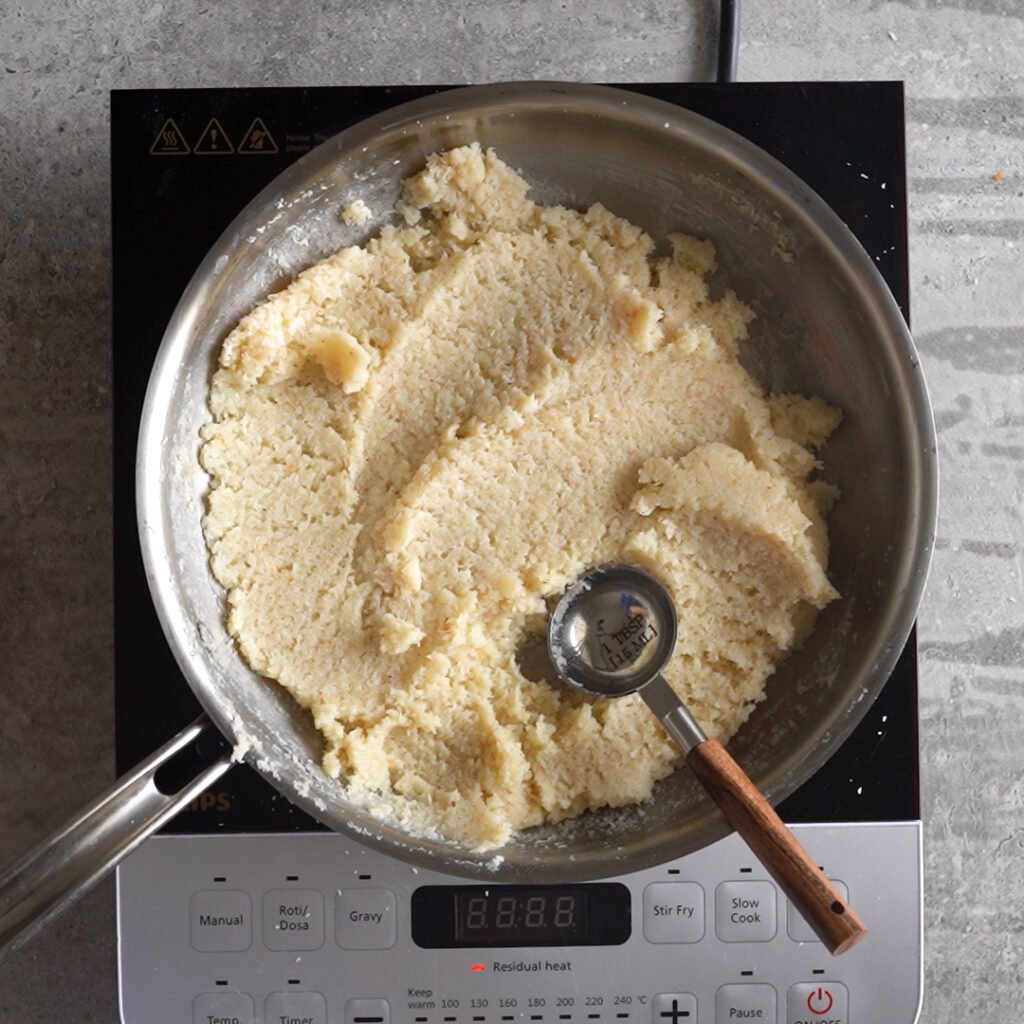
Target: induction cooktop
[{"x": 244, "y": 908}]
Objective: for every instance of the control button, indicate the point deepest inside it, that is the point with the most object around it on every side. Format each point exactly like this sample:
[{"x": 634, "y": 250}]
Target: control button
[
  {"x": 799, "y": 930},
  {"x": 674, "y": 912},
  {"x": 293, "y": 919},
  {"x": 295, "y": 1008},
  {"x": 745, "y": 1002},
  {"x": 367, "y": 1011},
  {"x": 674, "y": 1008},
  {"x": 818, "y": 1002},
  {"x": 745, "y": 911},
  {"x": 220, "y": 922},
  {"x": 365, "y": 919},
  {"x": 226, "y": 1007}
]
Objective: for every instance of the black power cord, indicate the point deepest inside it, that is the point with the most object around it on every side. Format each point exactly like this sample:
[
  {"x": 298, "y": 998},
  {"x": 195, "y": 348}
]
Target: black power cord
[{"x": 728, "y": 39}]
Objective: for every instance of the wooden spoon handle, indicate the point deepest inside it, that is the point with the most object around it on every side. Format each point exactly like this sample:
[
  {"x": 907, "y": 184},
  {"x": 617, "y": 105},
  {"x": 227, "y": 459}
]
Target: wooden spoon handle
[{"x": 776, "y": 847}]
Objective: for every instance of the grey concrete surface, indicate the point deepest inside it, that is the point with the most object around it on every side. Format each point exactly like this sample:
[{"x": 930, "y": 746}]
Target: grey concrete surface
[{"x": 961, "y": 60}]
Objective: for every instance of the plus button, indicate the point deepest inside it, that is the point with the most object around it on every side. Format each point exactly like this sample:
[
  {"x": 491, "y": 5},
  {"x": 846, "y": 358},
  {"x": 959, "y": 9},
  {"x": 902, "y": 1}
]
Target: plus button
[
  {"x": 674, "y": 1014},
  {"x": 675, "y": 1008}
]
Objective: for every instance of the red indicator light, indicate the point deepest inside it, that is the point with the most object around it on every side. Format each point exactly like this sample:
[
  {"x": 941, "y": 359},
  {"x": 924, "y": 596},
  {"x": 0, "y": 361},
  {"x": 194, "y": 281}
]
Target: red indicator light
[{"x": 478, "y": 967}]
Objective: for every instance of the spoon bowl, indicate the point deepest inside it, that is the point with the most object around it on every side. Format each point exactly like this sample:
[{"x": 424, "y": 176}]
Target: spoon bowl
[{"x": 612, "y": 631}]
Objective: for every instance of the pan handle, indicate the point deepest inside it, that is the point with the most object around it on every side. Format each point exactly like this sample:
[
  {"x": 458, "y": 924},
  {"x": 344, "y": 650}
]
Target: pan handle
[{"x": 73, "y": 858}]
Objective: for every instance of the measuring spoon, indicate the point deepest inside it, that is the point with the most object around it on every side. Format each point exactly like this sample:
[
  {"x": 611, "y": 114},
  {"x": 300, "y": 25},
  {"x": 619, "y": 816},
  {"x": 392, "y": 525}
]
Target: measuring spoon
[{"x": 611, "y": 634}]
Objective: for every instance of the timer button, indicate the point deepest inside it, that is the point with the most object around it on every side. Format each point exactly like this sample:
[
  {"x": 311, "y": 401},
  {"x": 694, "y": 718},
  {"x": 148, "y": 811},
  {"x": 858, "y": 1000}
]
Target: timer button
[
  {"x": 818, "y": 1002},
  {"x": 301, "y": 1007},
  {"x": 365, "y": 919},
  {"x": 674, "y": 912}
]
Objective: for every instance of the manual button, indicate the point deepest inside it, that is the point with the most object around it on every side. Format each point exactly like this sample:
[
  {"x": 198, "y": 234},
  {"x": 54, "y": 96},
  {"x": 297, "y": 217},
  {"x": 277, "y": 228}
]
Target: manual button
[
  {"x": 365, "y": 919},
  {"x": 745, "y": 911},
  {"x": 220, "y": 922}
]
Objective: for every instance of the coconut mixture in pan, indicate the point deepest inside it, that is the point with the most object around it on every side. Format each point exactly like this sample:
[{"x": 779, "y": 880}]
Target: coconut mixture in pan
[{"x": 419, "y": 442}]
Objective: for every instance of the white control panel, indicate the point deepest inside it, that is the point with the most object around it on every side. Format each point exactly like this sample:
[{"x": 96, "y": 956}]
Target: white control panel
[{"x": 316, "y": 929}]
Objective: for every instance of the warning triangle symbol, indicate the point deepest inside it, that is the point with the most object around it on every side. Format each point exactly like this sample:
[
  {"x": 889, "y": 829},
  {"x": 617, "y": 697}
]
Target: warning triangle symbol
[
  {"x": 257, "y": 139},
  {"x": 214, "y": 141},
  {"x": 169, "y": 141}
]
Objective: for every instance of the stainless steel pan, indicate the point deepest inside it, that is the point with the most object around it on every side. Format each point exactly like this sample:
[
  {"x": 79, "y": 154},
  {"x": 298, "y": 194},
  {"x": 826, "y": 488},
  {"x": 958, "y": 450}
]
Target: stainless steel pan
[{"x": 826, "y": 325}]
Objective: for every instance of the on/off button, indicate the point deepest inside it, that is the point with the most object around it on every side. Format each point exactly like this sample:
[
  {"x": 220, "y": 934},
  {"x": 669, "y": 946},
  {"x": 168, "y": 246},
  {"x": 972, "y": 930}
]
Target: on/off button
[{"x": 819, "y": 1002}]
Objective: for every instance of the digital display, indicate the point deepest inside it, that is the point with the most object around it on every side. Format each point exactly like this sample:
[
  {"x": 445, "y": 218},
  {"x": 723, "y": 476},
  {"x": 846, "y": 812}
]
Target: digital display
[
  {"x": 528, "y": 915},
  {"x": 447, "y": 917}
]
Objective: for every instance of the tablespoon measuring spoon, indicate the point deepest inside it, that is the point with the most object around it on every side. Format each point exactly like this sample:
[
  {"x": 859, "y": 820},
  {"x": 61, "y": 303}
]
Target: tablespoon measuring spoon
[{"x": 610, "y": 635}]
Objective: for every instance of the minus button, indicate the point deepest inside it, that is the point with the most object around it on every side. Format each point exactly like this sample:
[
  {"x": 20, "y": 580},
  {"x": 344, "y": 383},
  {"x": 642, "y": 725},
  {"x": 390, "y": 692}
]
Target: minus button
[{"x": 367, "y": 1011}]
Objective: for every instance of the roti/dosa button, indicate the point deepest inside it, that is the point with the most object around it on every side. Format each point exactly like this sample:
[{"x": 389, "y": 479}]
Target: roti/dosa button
[{"x": 293, "y": 919}]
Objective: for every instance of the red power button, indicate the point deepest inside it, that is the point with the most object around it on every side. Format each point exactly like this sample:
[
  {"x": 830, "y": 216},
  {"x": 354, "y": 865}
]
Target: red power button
[{"x": 819, "y": 1001}]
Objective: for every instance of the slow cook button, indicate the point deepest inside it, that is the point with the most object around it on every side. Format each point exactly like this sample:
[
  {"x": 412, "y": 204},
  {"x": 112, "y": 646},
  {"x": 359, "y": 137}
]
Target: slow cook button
[
  {"x": 293, "y": 919},
  {"x": 220, "y": 922},
  {"x": 673, "y": 912},
  {"x": 745, "y": 911},
  {"x": 365, "y": 919},
  {"x": 295, "y": 1008},
  {"x": 746, "y": 1002},
  {"x": 818, "y": 1002}
]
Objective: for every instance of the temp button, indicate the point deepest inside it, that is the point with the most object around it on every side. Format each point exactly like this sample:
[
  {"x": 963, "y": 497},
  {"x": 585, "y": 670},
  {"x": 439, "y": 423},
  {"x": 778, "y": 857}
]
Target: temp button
[
  {"x": 229, "y": 1007},
  {"x": 673, "y": 912},
  {"x": 365, "y": 919}
]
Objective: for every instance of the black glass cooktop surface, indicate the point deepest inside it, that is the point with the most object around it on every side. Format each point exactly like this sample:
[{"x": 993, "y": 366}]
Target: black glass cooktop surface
[{"x": 185, "y": 162}]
